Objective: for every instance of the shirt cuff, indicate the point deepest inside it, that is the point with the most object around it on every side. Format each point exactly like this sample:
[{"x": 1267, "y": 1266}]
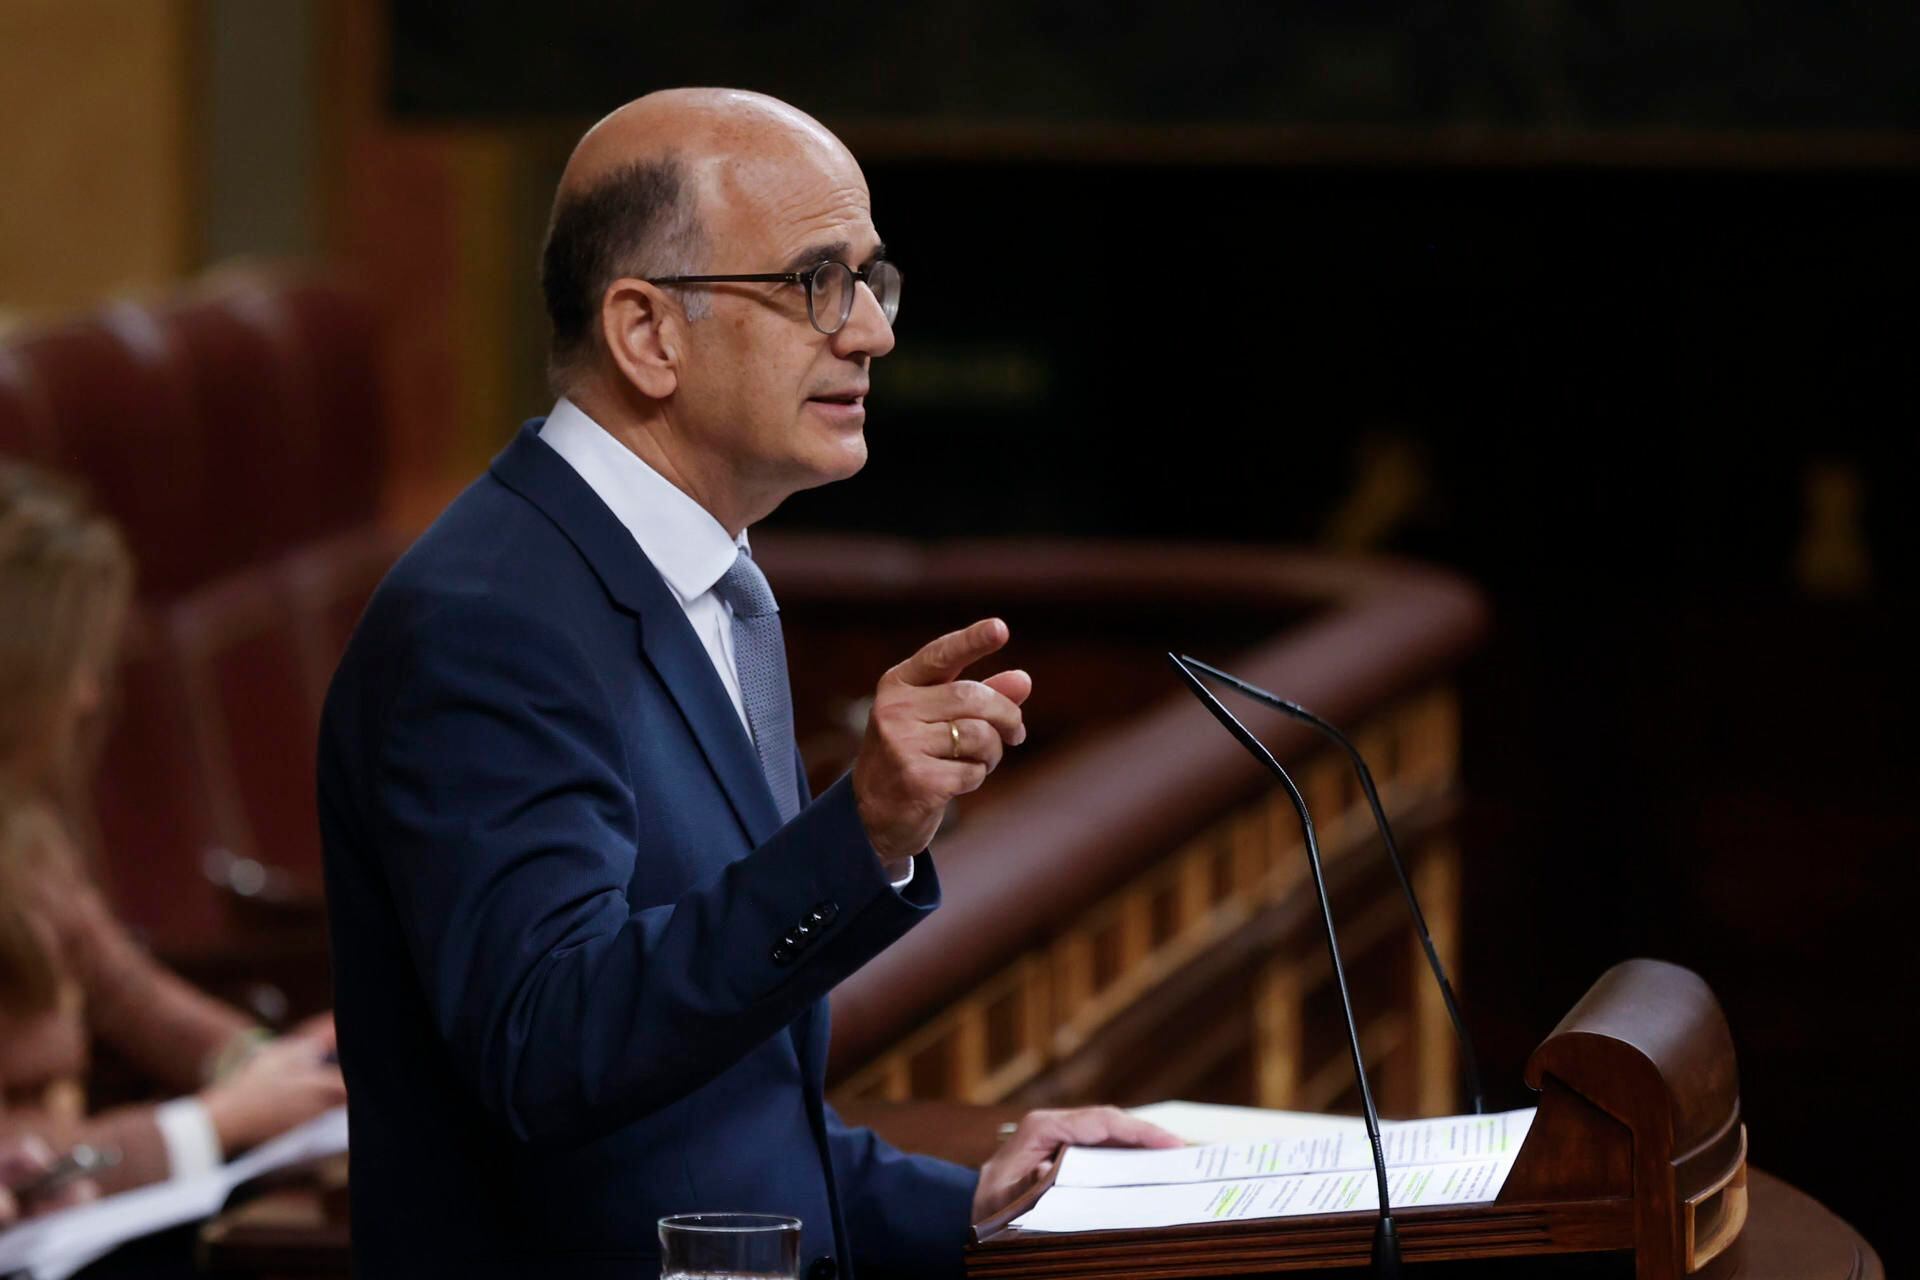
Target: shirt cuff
[
  {"x": 193, "y": 1147},
  {"x": 901, "y": 879}
]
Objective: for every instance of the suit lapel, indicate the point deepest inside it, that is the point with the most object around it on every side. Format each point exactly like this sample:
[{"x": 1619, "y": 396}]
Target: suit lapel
[
  {"x": 541, "y": 476},
  {"x": 686, "y": 670}
]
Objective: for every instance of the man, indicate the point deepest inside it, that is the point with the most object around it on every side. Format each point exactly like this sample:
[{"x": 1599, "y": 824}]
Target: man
[{"x": 585, "y": 914}]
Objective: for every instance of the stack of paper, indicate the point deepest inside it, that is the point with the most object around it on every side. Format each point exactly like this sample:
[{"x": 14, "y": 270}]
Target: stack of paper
[
  {"x": 56, "y": 1246},
  {"x": 1292, "y": 1165}
]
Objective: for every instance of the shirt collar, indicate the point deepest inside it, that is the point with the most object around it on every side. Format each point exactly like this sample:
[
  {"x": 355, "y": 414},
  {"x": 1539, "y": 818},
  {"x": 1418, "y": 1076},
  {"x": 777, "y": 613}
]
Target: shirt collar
[{"x": 686, "y": 544}]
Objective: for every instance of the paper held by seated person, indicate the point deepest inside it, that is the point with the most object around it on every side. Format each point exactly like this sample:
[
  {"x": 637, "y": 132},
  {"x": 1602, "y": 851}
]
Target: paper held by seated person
[
  {"x": 1290, "y": 1165},
  {"x": 56, "y": 1246}
]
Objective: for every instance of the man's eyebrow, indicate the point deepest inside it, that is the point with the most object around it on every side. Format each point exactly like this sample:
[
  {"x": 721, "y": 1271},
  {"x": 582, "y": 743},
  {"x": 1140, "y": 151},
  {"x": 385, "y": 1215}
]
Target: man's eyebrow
[
  {"x": 815, "y": 253},
  {"x": 829, "y": 251}
]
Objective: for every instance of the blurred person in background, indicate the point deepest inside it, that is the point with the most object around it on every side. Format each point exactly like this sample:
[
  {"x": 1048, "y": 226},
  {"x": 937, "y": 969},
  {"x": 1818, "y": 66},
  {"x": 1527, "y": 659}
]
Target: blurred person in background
[{"x": 69, "y": 971}]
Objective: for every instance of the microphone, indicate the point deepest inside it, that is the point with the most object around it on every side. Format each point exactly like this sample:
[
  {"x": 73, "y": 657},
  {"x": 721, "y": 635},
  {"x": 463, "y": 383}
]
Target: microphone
[
  {"x": 1469, "y": 1063},
  {"x": 1386, "y": 1237}
]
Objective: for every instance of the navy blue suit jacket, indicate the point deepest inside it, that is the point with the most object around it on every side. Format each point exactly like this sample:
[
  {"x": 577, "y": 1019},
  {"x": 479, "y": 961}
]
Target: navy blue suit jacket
[{"x": 556, "y": 881}]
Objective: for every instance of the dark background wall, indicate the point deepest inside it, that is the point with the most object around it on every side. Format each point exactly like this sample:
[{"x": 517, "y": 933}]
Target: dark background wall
[
  {"x": 1610, "y": 306},
  {"x": 1617, "y": 63},
  {"x": 1634, "y": 404}
]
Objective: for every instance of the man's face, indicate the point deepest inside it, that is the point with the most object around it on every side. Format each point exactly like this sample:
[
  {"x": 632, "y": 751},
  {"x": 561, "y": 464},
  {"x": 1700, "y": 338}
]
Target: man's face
[{"x": 759, "y": 386}]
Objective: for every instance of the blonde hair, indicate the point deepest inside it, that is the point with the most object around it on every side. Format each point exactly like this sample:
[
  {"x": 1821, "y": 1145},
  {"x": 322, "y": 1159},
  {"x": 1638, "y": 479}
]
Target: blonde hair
[
  {"x": 65, "y": 582},
  {"x": 33, "y": 851}
]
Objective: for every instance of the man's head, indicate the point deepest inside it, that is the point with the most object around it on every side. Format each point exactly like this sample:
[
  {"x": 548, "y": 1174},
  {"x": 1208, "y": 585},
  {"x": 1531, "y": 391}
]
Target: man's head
[{"x": 729, "y": 388}]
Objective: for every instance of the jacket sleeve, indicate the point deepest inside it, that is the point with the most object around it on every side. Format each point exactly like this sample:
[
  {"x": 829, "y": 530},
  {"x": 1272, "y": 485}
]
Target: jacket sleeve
[
  {"x": 910, "y": 1215},
  {"x": 504, "y": 826}
]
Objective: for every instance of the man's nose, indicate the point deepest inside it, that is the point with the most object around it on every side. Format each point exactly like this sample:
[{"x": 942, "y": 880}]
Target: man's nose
[{"x": 866, "y": 331}]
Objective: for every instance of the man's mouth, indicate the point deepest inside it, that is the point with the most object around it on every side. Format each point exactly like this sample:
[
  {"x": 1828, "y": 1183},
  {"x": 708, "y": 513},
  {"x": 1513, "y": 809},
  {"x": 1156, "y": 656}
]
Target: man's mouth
[{"x": 852, "y": 398}]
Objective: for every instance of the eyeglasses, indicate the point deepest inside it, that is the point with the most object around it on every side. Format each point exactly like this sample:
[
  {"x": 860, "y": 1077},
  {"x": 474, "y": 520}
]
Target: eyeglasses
[{"x": 829, "y": 289}]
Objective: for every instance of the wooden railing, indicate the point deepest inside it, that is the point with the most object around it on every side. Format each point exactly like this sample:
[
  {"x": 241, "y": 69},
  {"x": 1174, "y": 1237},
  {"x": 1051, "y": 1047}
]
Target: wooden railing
[
  {"x": 1127, "y": 914},
  {"x": 1038, "y": 1013}
]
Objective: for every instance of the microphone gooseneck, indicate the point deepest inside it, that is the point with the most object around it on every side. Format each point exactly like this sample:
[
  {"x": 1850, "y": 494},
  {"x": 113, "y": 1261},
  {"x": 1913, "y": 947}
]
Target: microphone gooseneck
[
  {"x": 1386, "y": 1239},
  {"x": 1469, "y": 1063}
]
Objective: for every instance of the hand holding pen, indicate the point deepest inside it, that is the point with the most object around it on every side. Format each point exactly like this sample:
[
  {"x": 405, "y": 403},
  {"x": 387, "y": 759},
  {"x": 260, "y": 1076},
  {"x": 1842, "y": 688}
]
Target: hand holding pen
[{"x": 33, "y": 1180}]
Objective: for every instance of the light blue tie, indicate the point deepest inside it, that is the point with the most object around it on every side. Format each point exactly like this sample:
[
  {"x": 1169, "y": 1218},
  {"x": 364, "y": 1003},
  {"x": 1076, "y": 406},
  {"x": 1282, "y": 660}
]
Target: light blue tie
[{"x": 760, "y": 660}]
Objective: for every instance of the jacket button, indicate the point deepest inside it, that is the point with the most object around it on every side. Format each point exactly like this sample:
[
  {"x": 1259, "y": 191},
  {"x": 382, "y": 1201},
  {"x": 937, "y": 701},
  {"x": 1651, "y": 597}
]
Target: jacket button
[
  {"x": 804, "y": 929},
  {"x": 782, "y": 955},
  {"x": 826, "y": 911},
  {"x": 790, "y": 940},
  {"x": 822, "y": 1269}
]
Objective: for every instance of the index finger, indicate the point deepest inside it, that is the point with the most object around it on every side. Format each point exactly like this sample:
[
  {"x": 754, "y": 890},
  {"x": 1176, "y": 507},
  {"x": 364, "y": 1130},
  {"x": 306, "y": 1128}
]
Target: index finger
[
  {"x": 1123, "y": 1130},
  {"x": 941, "y": 660}
]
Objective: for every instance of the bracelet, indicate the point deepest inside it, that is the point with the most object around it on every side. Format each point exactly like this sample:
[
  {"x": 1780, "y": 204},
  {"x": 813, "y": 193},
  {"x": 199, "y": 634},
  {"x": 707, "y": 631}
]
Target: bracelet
[{"x": 236, "y": 1053}]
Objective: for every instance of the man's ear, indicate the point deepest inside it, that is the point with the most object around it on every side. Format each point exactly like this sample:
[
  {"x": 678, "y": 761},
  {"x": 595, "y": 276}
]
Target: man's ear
[{"x": 643, "y": 329}]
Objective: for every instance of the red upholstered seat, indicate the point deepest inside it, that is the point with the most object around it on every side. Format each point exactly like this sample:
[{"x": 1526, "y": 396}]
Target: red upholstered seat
[
  {"x": 253, "y": 409},
  {"x": 222, "y": 428},
  {"x": 330, "y": 583},
  {"x": 333, "y": 329},
  {"x": 253, "y": 711},
  {"x": 151, "y": 803},
  {"x": 115, "y": 385},
  {"x": 26, "y": 419},
  {"x": 255, "y": 652},
  {"x": 236, "y": 432}
]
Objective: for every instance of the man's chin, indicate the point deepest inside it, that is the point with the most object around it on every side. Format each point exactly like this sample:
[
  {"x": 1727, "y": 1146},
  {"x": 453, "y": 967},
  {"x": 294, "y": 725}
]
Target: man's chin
[
  {"x": 840, "y": 459},
  {"x": 852, "y": 459}
]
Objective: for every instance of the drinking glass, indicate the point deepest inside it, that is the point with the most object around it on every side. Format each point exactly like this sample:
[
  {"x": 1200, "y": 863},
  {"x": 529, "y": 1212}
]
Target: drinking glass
[{"x": 729, "y": 1246}]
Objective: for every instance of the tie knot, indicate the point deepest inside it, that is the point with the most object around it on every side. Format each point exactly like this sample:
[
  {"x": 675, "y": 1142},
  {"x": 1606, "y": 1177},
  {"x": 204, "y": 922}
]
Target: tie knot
[{"x": 745, "y": 589}]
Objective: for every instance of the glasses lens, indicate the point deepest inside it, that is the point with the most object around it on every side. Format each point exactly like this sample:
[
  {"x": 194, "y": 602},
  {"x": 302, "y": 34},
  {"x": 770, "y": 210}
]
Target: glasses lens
[
  {"x": 884, "y": 279},
  {"x": 830, "y": 295}
]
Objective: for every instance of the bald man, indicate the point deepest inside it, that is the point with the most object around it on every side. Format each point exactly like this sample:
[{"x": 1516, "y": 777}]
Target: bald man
[{"x": 585, "y": 913}]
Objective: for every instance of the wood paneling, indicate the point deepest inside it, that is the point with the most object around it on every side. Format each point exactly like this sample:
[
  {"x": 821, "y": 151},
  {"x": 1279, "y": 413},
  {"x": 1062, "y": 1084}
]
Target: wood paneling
[
  {"x": 97, "y": 118},
  {"x": 1208, "y": 968}
]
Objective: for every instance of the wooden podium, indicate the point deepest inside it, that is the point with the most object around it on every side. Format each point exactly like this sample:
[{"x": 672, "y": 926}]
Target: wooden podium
[{"x": 1638, "y": 1149}]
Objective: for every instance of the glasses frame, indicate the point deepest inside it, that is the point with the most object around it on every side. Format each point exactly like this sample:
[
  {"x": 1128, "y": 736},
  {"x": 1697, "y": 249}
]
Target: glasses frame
[{"x": 806, "y": 276}]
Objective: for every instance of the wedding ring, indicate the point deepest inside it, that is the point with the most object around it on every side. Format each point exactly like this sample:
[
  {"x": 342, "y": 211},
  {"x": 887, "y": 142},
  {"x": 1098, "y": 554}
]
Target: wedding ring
[{"x": 953, "y": 728}]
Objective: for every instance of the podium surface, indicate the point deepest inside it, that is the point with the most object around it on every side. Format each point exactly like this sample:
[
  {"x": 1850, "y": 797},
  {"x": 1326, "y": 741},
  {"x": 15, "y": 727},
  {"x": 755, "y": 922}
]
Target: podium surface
[
  {"x": 299, "y": 1231},
  {"x": 1637, "y": 1148}
]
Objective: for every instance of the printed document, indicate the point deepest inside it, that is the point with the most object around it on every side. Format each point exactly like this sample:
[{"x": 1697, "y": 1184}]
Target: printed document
[{"x": 1321, "y": 1164}]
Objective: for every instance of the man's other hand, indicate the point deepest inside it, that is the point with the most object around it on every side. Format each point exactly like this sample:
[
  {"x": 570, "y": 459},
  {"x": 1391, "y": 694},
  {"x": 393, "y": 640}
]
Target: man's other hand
[
  {"x": 933, "y": 736},
  {"x": 1029, "y": 1154}
]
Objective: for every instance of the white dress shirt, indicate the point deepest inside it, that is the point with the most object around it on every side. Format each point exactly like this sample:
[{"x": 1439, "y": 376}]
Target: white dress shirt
[{"x": 686, "y": 544}]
